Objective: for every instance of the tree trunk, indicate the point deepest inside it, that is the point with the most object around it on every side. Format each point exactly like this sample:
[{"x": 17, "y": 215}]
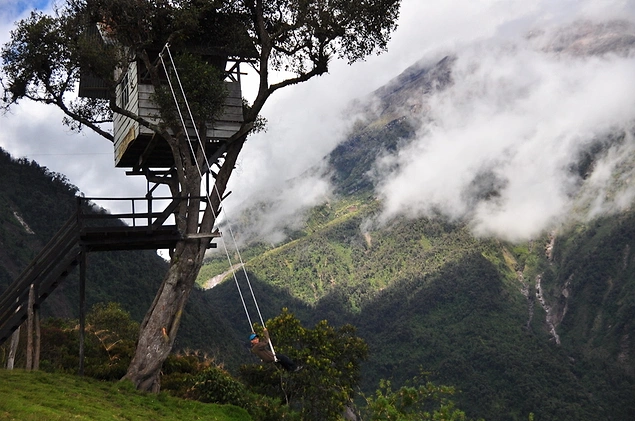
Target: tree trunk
[{"x": 159, "y": 328}]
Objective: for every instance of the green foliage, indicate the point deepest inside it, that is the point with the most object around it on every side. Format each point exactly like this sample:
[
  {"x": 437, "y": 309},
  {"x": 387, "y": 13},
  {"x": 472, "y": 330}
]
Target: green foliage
[
  {"x": 178, "y": 370},
  {"x": 203, "y": 85},
  {"x": 419, "y": 402},
  {"x": 429, "y": 294},
  {"x": 307, "y": 34},
  {"x": 330, "y": 360},
  {"x": 353, "y": 159},
  {"x": 111, "y": 335},
  {"x": 42, "y": 60},
  {"x": 60, "y": 346},
  {"x": 109, "y": 343},
  {"x": 28, "y": 58},
  {"x": 216, "y": 385},
  {"x": 338, "y": 254},
  {"x": 194, "y": 376}
]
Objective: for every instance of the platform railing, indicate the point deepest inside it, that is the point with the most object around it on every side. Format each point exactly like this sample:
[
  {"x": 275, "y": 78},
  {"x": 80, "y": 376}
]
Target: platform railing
[{"x": 151, "y": 212}]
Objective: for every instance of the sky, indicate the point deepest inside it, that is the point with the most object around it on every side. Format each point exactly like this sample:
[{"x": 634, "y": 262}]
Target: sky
[{"x": 514, "y": 113}]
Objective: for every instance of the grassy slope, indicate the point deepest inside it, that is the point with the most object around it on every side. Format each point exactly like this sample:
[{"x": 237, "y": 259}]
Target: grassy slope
[{"x": 42, "y": 396}]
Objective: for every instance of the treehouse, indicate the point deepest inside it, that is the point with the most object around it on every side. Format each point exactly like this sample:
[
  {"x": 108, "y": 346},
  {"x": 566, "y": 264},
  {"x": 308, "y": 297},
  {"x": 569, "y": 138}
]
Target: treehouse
[{"x": 224, "y": 45}]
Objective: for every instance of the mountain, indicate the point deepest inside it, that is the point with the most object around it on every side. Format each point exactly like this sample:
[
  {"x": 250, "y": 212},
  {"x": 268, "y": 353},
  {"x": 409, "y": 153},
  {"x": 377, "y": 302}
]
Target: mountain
[{"x": 542, "y": 326}]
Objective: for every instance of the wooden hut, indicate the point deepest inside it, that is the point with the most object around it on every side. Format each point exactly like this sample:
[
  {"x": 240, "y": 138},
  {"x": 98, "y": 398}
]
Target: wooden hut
[{"x": 224, "y": 45}]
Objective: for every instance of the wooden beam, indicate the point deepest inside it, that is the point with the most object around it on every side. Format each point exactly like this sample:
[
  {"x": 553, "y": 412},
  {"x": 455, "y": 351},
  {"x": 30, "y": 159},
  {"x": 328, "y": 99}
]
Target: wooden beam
[
  {"x": 29, "y": 329},
  {"x": 203, "y": 235}
]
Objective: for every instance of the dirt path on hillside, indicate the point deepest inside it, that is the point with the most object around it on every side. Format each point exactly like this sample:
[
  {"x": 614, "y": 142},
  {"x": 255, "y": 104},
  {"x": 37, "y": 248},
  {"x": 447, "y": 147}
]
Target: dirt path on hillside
[{"x": 212, "y": 282}]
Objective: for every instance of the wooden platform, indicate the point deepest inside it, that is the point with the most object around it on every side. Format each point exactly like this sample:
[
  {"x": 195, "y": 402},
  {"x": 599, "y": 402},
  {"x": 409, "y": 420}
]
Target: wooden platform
[{"x": 88, "y": 231}]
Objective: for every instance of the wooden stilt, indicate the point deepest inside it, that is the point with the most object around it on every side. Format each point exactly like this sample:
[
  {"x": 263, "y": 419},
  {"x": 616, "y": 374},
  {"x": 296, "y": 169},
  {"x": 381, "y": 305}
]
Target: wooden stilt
[
  {"x": 38, "y": 339},
  {"x": 29, "y": 329},
  {"x": 13, "y": 348},
  {"x": 82, "y": 308}
]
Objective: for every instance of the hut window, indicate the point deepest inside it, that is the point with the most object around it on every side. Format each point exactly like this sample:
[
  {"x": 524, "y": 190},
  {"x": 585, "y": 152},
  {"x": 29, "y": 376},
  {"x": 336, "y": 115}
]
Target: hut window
[{"x": 125, "y": 92}]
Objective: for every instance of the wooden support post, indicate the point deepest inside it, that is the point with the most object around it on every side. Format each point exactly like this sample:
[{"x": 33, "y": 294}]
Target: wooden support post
[
  {"x": 29, "y": 329},
  {"x": 149, "y": 214},
  {"x": 82, "y": 308},
  {"x": 38, "y": 339},
  {"x": 13, "y": 348}
]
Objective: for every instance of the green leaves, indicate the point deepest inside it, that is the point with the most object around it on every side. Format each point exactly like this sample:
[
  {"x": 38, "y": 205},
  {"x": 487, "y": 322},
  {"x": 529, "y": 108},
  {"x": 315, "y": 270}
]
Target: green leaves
[
  {"x": 33, "y": 62},
  {"x": 215, "y": 385},
  {"x": 330, "y": 359},
  {"x": 203, "y": 85},
  {"x": 421, "y": 401}
]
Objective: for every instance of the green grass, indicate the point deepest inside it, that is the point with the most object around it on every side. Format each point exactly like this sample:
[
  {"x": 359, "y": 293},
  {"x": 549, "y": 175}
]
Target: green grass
[{"x": 37, "y": 395}]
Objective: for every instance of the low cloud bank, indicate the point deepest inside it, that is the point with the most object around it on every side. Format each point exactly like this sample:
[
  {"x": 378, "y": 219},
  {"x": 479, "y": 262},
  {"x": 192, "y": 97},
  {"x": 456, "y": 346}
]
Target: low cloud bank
[{"x": 503, "y": 142}]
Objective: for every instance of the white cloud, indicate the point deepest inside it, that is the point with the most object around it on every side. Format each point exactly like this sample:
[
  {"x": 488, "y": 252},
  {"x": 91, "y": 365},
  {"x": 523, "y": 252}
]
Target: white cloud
[
  {"x": 521, "y": 117},
  {"x": 515, "y": 115}
]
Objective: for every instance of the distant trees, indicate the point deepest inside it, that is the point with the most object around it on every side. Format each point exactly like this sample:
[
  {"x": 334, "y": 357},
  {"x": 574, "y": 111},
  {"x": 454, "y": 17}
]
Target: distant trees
[{"x": 42, "y": 62}]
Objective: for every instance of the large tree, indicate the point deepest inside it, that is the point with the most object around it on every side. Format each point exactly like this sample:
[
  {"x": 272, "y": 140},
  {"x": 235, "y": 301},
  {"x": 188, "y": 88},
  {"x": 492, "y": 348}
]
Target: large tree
[{"x": 43, "y": 60}]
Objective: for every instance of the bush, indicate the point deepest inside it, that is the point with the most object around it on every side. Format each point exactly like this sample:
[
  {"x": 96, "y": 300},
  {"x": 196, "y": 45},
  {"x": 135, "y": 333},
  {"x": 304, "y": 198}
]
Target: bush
[{"x": 215, "y": 385}]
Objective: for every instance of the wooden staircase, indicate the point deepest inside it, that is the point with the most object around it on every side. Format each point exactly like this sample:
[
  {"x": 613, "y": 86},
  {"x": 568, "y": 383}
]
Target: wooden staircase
[
  {"x": 87, "y": 231},
  {"x": 45, "y": 272}
]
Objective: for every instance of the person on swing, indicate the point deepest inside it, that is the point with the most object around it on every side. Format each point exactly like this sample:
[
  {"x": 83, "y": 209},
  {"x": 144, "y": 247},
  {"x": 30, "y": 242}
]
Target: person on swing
[{"x": 262, "y": 350}]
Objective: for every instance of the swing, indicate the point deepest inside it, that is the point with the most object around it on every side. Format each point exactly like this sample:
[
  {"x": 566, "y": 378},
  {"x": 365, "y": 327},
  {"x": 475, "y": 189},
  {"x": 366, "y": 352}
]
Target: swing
[{"x": 166, "y": 49}]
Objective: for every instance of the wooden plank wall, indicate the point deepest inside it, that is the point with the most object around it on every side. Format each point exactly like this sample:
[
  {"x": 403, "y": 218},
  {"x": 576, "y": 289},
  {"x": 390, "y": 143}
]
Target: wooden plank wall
[
  {"x": 223, "y": 128},
  {"x": 229, "y": 122},
  {"x": 126, "y": 129},
  {"x": 140, "y": 102}
]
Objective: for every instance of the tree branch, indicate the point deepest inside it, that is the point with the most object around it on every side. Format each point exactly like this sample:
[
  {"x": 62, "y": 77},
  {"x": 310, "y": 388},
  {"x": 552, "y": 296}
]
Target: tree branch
[{"x": 82, "y": 120}]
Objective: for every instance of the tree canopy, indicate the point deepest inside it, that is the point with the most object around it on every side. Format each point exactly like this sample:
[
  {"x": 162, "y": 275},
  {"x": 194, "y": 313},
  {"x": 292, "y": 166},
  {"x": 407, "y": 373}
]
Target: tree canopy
[{"x": 46, "y": 55}]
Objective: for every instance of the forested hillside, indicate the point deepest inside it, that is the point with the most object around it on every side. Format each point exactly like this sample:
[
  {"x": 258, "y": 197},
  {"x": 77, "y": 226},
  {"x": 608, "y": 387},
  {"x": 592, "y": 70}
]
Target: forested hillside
[
  {"x": 428, "y": 296},
  {"x": 425, "y": 295}
]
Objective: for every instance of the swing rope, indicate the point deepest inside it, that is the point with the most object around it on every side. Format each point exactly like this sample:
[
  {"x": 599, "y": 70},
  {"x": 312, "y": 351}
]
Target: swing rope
[{"x": 200, "y": 143}]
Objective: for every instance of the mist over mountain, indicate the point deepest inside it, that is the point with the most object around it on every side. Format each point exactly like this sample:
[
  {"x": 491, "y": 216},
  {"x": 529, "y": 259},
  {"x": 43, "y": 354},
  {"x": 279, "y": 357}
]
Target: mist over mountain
[{"x": 514, "y": 135}]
